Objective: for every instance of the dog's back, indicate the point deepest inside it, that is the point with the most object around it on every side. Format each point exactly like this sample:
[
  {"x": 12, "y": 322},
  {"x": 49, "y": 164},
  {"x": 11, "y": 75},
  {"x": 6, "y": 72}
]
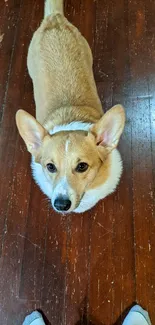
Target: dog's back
[{"x": 60, "y": 65}]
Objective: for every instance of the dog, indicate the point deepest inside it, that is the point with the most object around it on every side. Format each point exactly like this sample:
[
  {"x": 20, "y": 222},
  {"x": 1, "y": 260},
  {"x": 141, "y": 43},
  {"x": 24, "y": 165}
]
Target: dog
[{"x": 73, "y": 144}]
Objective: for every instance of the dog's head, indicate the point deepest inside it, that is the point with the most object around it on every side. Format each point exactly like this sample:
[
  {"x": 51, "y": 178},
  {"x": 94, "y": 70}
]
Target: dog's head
[{"x": 71, "y": 160}]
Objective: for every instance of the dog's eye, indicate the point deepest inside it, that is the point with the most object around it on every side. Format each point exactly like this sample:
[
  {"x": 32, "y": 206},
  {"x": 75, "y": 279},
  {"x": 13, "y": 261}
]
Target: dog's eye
[
  {"x": 81, "y": 167},
  {"x": 51, "y": 168}
]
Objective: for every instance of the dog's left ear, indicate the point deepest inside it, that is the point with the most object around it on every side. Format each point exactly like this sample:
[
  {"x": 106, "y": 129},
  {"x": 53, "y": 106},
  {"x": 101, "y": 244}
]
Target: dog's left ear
[
  {"x": 30, "y": 130},
  {"x": 109, "y": 128}
]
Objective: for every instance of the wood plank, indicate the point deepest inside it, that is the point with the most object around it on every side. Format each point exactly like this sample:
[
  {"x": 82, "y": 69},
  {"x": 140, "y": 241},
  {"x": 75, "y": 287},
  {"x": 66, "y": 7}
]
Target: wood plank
[
  {"x": 112, "y": 287},
  {"x": 103, "y": 45},
  {"x": 53, "y": 285},
  {"x": 9, "y": 16},
  {"x": 150, "y": 32},
  {"x": 33, "y": 260},
  {"x": 78, "y": 268},
  {"x": 9, "y": 12},
  {"x": 16, "y": 178},
  {"x": 142, "y": 70}
]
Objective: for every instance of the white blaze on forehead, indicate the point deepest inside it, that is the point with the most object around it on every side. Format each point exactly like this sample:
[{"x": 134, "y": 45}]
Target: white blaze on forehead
[
  {"x": 66, "y": 145},
  {"x": 65, "y": 162}
]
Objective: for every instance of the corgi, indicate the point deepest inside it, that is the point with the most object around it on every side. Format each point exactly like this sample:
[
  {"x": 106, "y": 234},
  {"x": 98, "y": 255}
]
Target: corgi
[{"x": 73, "y": 144}]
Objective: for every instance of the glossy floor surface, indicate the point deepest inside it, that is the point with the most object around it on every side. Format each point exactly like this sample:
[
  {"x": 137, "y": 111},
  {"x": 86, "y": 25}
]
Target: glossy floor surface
[{"x": 81, "y": 269}]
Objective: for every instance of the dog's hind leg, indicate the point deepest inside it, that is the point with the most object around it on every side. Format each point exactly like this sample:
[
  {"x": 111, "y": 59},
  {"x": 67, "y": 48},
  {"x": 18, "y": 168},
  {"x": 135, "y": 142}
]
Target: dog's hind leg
[{"x": 53, "y": 7}]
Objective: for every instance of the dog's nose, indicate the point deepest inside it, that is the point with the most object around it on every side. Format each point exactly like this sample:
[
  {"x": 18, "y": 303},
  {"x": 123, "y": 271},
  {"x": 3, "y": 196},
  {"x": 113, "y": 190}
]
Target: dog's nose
[{"x": 62, "y": 204}]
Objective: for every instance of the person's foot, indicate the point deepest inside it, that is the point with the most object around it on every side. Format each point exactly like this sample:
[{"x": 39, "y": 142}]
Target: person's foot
[
  {"x": 137, "y": 316},
  {"x": 34, "y": 318}
]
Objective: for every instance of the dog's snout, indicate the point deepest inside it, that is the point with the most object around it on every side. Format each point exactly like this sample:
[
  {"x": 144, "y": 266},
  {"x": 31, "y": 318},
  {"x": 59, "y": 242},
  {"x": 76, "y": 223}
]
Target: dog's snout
[{"x": 62, "y": 204}]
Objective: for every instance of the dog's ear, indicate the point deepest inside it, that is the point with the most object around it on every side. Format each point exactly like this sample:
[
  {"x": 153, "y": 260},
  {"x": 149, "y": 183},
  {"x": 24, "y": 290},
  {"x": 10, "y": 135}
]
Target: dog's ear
[
  {"x": 30, "y": 130},
  {"x": 108, "y": 129}
]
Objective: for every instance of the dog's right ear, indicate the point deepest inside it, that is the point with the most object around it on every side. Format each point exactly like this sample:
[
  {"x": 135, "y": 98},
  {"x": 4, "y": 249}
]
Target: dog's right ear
[
  {"x": 30, "y": 130},
  {"x": 109, "y": 128}
]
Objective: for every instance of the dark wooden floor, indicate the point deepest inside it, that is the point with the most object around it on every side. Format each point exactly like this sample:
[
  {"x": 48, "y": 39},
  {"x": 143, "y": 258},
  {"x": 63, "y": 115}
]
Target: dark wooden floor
[{"x": 85, "y": 269}]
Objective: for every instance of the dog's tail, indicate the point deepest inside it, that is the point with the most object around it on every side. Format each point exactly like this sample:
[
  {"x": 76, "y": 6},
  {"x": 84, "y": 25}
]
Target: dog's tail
[{"x": 53, "y": 6}]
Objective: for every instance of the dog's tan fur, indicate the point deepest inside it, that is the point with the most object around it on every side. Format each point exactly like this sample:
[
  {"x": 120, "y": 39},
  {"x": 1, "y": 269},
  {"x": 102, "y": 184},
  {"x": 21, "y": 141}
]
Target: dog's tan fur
[{"x": 60, "y": 65}]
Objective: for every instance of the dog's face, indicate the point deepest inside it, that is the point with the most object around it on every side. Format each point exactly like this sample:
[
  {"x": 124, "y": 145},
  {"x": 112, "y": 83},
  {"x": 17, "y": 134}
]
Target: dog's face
[{"x": 71, "y": 160}]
